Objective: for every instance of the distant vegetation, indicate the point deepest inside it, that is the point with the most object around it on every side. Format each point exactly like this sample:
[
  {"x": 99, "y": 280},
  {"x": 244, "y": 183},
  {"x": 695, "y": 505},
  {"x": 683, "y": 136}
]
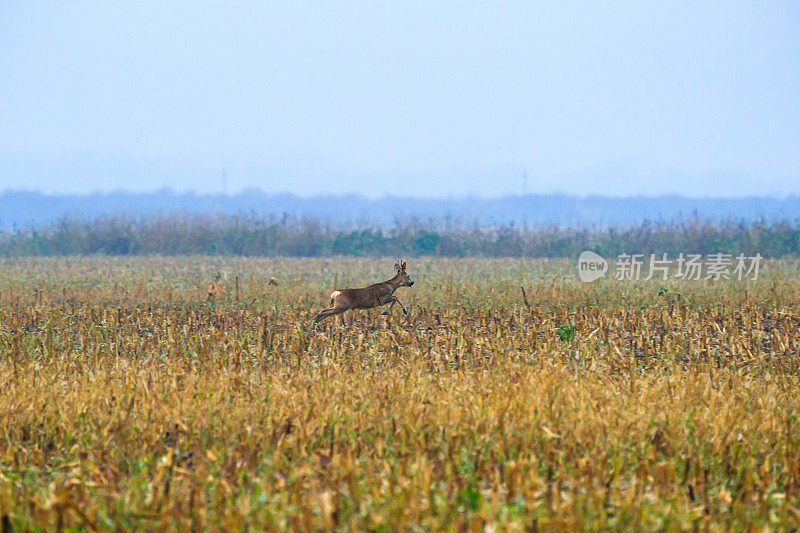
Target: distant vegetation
[
  {"x": 305, "y": 237},
  {"x": 35, "y": 209}
]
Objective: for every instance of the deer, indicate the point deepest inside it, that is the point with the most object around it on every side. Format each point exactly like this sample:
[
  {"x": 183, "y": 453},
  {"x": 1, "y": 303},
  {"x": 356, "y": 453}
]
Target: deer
[
  {"x": 216, "y": 290},
  {"x": 368, "y": 297}
]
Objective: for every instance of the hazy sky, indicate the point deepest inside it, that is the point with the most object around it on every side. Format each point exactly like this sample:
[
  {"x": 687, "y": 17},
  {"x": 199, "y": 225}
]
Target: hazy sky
[{"x": 423, "y": 99}]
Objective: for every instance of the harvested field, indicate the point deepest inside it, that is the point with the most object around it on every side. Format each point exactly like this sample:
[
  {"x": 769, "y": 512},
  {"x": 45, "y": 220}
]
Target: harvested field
[{"x": 130, "y": 402}]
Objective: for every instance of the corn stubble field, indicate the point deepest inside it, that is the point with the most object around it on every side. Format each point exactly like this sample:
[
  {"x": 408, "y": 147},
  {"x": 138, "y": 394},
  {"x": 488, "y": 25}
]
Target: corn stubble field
[{"x": 130, "y": 403}]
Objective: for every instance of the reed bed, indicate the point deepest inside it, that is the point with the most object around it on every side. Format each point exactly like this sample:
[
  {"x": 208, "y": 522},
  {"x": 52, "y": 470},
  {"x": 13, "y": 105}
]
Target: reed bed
[{"x": 131, "y": 402}]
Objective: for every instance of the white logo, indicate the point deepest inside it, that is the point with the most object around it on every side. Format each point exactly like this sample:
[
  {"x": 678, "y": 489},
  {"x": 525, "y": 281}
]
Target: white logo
[
  {"x": 591, "y": 266},
  {"x": 634, "y": 267}
]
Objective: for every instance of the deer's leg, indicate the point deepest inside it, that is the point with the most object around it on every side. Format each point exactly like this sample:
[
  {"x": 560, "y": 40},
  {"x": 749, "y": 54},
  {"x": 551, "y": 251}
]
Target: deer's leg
[
  {"x": 401, "y": 305},
  {"x": 319, "y": 316},
  {"x": 388, "y": 299},
  {"x": 325, "y": 313},
  {"x": 393, "y": 300},
  {"x": 390, "y": 307}
]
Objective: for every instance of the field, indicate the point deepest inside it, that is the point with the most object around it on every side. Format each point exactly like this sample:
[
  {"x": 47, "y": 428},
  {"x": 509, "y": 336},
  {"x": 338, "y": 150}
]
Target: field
[{"x": 129, "y": 402}]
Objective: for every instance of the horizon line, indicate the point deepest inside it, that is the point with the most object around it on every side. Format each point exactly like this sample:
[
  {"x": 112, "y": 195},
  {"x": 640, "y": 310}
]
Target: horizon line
[{"x": 386, "y": 195}]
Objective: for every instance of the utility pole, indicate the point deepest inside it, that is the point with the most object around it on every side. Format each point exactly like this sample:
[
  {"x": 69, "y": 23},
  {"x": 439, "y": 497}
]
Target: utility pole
[
  {"x": 524, "y": 211},
  {"x": 524, "y": 181}
]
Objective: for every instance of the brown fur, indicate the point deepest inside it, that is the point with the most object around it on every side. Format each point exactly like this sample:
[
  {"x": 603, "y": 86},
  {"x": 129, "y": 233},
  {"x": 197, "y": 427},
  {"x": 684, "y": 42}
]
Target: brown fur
[
  {"x": 368, "y": 297},
  {"x": 216, "y": 290}
]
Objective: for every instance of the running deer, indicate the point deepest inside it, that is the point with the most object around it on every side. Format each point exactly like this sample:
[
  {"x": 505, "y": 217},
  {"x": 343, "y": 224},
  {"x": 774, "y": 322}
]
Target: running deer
[{"x": 368, "y": 297}]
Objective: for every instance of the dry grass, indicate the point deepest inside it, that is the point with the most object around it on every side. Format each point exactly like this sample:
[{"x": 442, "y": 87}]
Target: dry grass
[{"x": 131, "y": 403}]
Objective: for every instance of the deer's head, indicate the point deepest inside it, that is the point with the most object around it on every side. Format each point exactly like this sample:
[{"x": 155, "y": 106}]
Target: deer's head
[{"x": 400, "y": 268}]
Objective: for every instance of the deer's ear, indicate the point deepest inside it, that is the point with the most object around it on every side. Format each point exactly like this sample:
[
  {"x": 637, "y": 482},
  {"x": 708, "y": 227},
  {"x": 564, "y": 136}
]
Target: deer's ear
[
  {"x": 397, "y": 266},
  {"x": 403, "y": 266}
]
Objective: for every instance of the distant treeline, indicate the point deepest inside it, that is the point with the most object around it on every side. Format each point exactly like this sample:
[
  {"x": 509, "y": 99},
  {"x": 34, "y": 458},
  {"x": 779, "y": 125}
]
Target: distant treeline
[
  {"x": 258, "y": 236},
  {"x": 34, "y": 209}
]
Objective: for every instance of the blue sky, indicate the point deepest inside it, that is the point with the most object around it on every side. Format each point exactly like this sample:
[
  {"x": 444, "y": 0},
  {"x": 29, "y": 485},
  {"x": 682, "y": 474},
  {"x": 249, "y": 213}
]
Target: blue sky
[{"x": 422, "y": 99}]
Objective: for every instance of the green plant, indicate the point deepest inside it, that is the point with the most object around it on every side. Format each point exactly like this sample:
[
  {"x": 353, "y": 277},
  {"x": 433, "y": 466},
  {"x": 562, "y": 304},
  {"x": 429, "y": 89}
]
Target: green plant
[{"x": 566, "y": 332}]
